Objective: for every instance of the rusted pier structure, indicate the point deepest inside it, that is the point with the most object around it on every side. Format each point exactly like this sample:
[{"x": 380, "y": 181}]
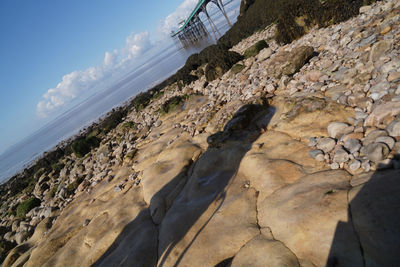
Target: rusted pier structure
[{"x": 193, "y": 29}]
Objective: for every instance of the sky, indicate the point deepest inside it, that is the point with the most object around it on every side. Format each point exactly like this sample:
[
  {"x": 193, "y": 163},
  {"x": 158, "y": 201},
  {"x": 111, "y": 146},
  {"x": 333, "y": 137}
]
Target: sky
[{"x": 53, "y": 51}]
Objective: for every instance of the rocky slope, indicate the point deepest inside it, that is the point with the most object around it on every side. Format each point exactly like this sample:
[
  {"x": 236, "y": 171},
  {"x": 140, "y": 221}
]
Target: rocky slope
[{"x": 291, "y": 161}]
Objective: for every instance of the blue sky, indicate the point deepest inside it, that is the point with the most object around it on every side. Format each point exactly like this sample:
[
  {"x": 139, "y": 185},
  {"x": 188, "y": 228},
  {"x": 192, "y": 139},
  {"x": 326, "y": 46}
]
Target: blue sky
[{"x": 52, "y": 50}]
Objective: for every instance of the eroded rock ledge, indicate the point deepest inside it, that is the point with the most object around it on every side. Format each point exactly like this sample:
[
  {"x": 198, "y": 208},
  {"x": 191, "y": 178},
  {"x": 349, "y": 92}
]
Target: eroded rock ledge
[{"x": 290, "y": 161}]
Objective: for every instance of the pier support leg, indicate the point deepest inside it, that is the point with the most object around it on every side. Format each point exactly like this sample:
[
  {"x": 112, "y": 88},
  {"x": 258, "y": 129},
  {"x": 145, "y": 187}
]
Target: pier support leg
[
  {"x": 222, "y": 8},
  {"x": 213, "y": 26}
]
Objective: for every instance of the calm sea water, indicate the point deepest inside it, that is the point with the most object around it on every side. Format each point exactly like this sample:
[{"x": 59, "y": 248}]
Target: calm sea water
[{"x": 156, "y": 65}]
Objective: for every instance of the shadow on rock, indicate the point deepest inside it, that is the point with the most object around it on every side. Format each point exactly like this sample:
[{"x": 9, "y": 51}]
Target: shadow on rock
[
  {"x": 373, "y": 220},
  {"x": 183, "y": 208}
]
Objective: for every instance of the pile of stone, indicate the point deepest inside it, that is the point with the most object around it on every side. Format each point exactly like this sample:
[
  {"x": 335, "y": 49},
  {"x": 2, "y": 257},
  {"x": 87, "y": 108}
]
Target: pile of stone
[{"x": 353, "y": 148}]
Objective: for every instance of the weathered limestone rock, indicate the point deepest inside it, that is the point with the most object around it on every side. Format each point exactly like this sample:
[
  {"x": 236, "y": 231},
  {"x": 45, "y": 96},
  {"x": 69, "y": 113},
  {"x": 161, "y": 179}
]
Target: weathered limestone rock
[
  {"x": 254, "y": 197},
  {"x": 164, "y": 179},
  {"x": 305, "y": 118},
  {"x": 268, "y": 175},
  {"x": 204, "y": 210},
  {"x": 261, "y": 251},
  {"x": 320, "y": 202},
  {"x": 71, "y": 243}
]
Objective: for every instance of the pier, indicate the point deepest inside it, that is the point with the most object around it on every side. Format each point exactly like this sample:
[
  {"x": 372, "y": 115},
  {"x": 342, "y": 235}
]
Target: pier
[{"x": 193, "y": 30}]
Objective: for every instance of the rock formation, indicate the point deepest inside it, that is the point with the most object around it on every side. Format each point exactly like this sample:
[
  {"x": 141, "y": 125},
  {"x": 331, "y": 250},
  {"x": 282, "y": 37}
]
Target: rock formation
[{"x": 291, "y": 161}]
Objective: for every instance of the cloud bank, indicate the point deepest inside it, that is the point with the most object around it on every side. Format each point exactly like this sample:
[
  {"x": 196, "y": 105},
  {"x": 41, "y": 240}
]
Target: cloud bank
[{"x": 78, "y": 82}]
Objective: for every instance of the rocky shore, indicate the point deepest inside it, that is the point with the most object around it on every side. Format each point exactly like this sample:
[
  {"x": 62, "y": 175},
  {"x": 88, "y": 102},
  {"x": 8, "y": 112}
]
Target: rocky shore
[{"x": 291, "y": 158}]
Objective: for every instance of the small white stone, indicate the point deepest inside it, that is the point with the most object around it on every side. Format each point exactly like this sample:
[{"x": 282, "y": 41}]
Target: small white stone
[
  {"x": 335, "y": 166},
  {"x": 355, "y": 165}
]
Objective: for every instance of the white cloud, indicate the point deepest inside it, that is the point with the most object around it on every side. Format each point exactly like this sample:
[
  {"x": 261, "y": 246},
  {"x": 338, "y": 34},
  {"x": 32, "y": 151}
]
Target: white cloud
[
  {"x": 138, "y": 43},
  {"x": 70, "y": 87},
  {"x": 76, "y": 83},
  {"x": 110, "y": 58},
  {"x": 181, "y": 13}
]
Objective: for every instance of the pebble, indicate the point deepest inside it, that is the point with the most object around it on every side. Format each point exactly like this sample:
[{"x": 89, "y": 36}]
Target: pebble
[
  {"x": 394, "y": 77},
  {"x": 354, "y": 165},
  {"x": 371, "y": 136},
  {"x": 341, "y": 156},
  {"x": 360, "y": 115},
  {"x": 375, "y": 152},
  {"x": 385, "y": 30},
  {"x": 334, "y": 166},
  {"x": 366, "y": 166},
  {"x": 352, "y": 145},
  {"x": 315, "y": 153},
  {"x": 158, "y": 123},
  {"x": 338, "y": 129},
  {"x": 379, "y": 49},
  {"x": 312, "y": 141},
  {"x": 369, "y": 40},
  {"x": 326, "y": 144},
  {"x": 382, "y": 86},
  {"x": 118, "y": 188},
  {"x": 389, "y": 141},
  {"x": 394, "y": 128},
  {"x": 137, "y": 182}
]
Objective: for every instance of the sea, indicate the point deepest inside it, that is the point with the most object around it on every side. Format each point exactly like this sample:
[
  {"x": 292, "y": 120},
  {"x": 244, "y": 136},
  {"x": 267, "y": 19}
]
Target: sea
[{"x": 157, "y": 64}]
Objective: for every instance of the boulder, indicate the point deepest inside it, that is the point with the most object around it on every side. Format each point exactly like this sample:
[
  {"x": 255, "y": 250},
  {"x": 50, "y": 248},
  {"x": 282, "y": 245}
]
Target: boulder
[
  {"x": 255, "y": 49},
  {"x": 288, "y": 63},
  {"x": 297, "y": 58}
]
